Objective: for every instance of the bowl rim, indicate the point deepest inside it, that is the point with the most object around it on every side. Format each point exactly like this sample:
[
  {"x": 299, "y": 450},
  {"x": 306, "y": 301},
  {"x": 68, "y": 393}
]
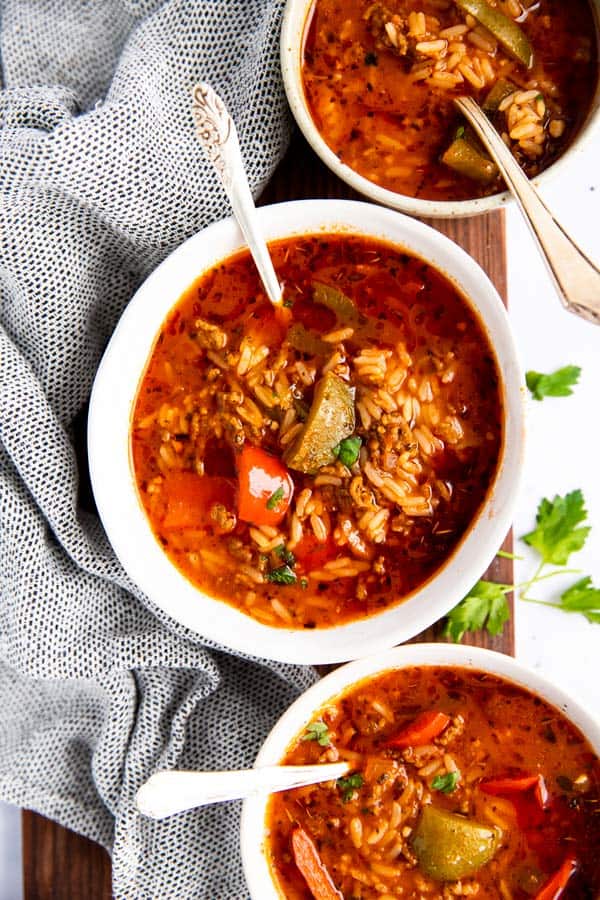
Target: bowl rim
[
  {"x": 115, "y": 389},
  {"x": 292, "y": 32},
  {"x": 252, "y": 824}
]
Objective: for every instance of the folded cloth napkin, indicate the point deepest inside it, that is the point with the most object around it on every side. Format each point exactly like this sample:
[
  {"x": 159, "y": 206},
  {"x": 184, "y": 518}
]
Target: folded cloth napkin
[{"x": 101, "y": 176}]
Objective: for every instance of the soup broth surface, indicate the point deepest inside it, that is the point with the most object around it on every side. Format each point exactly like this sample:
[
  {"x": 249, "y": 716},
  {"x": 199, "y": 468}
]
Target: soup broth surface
[
  {"x": 380, "y": 78},
  {"x": 316, "y": 465},
  {"x": 504, "y": 760}
]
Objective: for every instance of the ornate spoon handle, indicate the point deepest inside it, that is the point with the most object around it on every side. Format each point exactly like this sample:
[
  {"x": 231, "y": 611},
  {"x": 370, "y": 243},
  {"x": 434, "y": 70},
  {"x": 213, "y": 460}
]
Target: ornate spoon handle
[
  {"x": 170, "y": 792},
  {"x": 576, "y": 277},
  {"x": 217, "y": 133}
]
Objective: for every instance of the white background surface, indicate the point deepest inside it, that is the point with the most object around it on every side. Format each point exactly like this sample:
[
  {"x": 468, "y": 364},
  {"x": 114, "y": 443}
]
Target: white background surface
[{"x": 563, "y": 453}]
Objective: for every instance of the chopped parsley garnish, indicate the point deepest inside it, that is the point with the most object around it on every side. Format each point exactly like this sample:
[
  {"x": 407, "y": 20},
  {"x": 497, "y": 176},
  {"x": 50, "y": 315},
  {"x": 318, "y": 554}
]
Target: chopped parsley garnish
[
  {"x": 555, "y": 384},
  {"x": 348, "y": 785},
  {"x": 446, "y": 783},
  {"x": 275, "y": 498},
  {"x": 347, "y": 451},
  {"x": 285, "y": 555},
  {"x": 460, "y": 132},
  {"x": 288, "y": 302},
  {"x": 319, "y": 732},
  {"x": 304, "y": 583},
  {"x": 281, "y": 575},
  {"x": 371, "y": 59}
]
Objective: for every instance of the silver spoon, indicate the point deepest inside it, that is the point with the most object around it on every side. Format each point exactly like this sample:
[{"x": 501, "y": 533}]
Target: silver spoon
[
  {"x": 576, "y": 277},
  {"x": 169, "y": 792},
  {"x": 217, "y": 133}
]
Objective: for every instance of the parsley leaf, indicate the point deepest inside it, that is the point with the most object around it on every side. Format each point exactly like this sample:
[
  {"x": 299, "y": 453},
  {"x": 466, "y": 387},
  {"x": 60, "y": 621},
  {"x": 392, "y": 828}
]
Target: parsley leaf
[
  {"x": 484, "y": 606},
  {"x": 319, "y": 732},
  {"x": 446, "y": 783},
  {"x": 285, "y": 555},
  {"x": 347, "y": 451},
  {"x": 555, "y": 536},
  {"x": 582, "y": 597},
  {"x": 555, "y": 384},
  {"x": 460, "y": 132},
  {"x": 348, "y": 785},
  {"x": 281, "y": 575},
  {"x": 274, "y": 499}
]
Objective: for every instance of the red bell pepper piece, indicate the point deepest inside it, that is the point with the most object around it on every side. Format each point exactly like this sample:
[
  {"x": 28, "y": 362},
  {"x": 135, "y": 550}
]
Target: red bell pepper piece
[
  {"x": 553, "y": 889},
  {"x": 312, "y": 868},
  {"x": 498, "y": 787},
  {"x": 421, "y": 731},
  {"x": 265, "y": 487},
  {"x": 190, "y": 497}
]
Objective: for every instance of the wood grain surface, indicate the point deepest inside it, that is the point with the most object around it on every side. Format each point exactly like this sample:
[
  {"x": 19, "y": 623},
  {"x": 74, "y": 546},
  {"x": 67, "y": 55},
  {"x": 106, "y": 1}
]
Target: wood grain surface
[{"x": 61, "y": 865}]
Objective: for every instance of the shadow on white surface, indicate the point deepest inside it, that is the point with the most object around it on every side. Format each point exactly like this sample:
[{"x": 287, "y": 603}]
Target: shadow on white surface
[
  {"x": 11, "y": 880},
  {"x": 563, "y": 434}
]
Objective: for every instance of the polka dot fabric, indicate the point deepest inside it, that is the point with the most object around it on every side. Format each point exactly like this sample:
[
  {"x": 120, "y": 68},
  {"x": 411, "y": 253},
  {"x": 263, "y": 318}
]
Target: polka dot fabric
[{"x": 100, "y": 177}]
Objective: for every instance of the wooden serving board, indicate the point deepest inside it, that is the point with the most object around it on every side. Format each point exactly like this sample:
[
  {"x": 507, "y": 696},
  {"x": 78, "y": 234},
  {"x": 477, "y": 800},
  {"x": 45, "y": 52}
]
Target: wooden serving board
[{"x": 61, "y": 865}]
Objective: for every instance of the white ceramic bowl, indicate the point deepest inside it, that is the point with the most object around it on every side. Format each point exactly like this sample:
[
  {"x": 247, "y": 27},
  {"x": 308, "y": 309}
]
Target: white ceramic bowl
[
  {"x": 292, "y": 30},
  {"x": 111, "y": 471},
  {"x": 294, "y": 720}
]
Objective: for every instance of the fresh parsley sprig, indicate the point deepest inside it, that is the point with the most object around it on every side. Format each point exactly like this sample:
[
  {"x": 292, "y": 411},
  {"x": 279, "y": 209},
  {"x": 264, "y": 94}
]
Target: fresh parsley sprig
[
  {"x": 582, "y": 597},
  {"x": 554, "y": 384},
  {"x": 485, "y": 606},
  {"x": 556, "y": 536}
]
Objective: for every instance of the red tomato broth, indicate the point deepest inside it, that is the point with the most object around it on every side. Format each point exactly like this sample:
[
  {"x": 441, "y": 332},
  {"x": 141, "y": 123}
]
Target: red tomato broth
[
  {"x": 393, "y": 130},
  {"x": 401, "y": 299},
  {"x": 506, "y": 731}
]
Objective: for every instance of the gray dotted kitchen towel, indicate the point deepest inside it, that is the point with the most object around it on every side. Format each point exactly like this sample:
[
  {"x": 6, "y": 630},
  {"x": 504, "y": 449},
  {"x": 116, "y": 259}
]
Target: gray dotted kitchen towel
[{"x": 101, "y": 177}]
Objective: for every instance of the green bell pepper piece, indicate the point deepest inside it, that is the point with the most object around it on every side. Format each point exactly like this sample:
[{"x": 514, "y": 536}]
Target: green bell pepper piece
[
  {"x": 336, "y": 301},
  {"x": 307, "y": 341},
  {"x": 449, "y": 846},
  {"x": 330, "y": 420},
  {"x": 505, "y": 30},
  {"x": 466, "y": 159}
]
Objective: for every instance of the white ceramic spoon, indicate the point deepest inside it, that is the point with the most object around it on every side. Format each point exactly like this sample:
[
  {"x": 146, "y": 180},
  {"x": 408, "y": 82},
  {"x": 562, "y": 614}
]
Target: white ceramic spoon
[
  {"x": 169, "y": 792},
  {"x": 217, "y": 133},
  {"x": 576, "y": 277}
]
